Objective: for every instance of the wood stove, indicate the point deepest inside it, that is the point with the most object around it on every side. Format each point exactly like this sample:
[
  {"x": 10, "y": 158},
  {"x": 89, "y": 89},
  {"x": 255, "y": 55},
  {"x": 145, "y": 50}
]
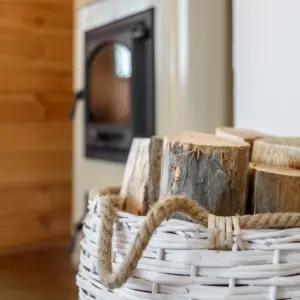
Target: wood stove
[{"x": 119, "y": 86}]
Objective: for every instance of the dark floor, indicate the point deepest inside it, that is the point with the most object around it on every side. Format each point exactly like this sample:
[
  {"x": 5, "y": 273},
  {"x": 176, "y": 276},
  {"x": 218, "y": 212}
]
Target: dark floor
[{"x": 43, "y": 275}]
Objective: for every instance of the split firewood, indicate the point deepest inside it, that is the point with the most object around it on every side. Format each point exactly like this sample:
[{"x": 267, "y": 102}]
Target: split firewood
[
  {"x": 155, "y": 153},
  {"x": 208, "y": 169},
  {"x": 283, "y": 152},
  {"x": 246, "y": 135},
  {"x": 135, "y": 180},
  {"x": 276, "y": 189}
]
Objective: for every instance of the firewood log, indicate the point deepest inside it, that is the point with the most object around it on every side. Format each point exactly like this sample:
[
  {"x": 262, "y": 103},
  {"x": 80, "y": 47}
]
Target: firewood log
[
  {"x": 283, "y": 152},
  {"x": 208, "y": 169},
  {"x": 246, "y": 135},
  {"x": 276, "y": 189},
  {"x": 134, "y": 185},
  {"x": 155, "y": 153}
]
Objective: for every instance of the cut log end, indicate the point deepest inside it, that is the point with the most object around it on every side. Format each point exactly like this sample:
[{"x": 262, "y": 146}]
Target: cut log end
[
  {"x": 246, "y": 135},
  {"x": 276, "y": 189}
]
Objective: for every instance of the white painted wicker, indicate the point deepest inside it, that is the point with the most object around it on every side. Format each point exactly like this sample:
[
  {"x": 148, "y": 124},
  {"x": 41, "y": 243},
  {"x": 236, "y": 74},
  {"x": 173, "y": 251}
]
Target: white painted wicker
[{"x": 177, "y": 265}]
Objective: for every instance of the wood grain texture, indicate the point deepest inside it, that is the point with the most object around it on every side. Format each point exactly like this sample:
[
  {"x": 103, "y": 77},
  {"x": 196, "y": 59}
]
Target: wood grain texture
[
  {"x": 30, "y": 80},
  {"x": 35, "y": 167},
  {"x": 276, "y": 189},
  {"x": 208, "y": 169},
  {"x": 155, "y": 156},
  {"x": 35, "y": 52},
  {"x": 249, "y": 136},
  {"x": 34, "y": 228},
  {"x": 246, "y": 135},
  {"x": 36, "y": 135},
  {"x": 279, "y": 151},
  {"x": 47, "y": 17},
  {"x": 134, "y": 185},
  {"x": 39, "y": 199},
  {"x": 35, "y": 275},
  {"x": 21, "y": 107},
  {"x": 46, "y": 136}
]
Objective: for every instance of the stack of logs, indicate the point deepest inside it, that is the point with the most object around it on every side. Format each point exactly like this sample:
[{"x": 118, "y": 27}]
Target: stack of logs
[{"x": 232, "y": 172}]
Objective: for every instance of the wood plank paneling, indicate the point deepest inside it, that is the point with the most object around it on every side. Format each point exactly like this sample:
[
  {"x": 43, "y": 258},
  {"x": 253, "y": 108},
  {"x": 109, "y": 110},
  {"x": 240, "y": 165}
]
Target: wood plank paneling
[
  {"x": 29, "y": 228},
  {"x": 25, "y": 52},
  {"x": 44, "y": 274},
  {"x": 35, "y": 167},
  {"x": 36, "y": 134},
  {"x": 42, "y": 18},
  {"x": 39, "y": 199},
  {"x": 30, "y": 137},
  {"x": 33, "y": 107},
  {"x": 30, "y": 80}
]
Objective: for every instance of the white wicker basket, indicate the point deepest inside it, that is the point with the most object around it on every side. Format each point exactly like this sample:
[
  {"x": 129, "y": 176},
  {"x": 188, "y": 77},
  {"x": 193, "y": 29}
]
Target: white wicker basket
[{"x": 176, "y": 263}]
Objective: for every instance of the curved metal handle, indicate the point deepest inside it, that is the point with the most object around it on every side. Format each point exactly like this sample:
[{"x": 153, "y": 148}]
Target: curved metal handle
[{"x": 78, "y": 96}]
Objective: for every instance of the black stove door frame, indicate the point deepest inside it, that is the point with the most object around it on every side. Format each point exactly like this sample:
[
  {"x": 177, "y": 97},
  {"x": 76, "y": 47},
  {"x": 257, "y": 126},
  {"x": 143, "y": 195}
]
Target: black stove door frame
[{"x": 137, "y": 33}]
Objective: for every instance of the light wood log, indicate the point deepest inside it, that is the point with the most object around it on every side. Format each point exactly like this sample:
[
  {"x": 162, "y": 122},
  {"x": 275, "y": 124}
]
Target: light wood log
[
  {"x": 276, "y": 189},
  {"x": 155, "y": 153},
  {"x": 246, "y": 135},
  {"x": 283, "y": 152},
  {"x": 134, "y": 185},
  {"x": 208, "y": 169}
]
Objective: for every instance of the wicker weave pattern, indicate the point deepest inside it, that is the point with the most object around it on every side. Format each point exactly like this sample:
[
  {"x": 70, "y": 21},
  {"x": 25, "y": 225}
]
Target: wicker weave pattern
[{"x": 177, "y": 265}]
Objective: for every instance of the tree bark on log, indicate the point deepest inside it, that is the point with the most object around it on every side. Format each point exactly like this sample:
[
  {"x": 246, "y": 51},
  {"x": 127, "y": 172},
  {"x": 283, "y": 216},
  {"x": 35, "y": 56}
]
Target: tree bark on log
[
  {"x": 208, "y": 169},
  {"x": 155, "y": 153},
  {"x": 282, "y": 152},
  {"x": 249, "y": 136},
  {"x": 135, "y": 180},
  {"x": 276, "y": 189}
]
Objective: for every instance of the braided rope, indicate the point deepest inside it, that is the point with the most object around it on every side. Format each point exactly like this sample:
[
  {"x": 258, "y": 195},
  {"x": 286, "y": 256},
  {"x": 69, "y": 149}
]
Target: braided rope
[{"x": 158, "y": 213}]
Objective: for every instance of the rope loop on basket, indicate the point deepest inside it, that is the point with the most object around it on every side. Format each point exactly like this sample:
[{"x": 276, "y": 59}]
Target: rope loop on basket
[{"x": 158, "y": 213}]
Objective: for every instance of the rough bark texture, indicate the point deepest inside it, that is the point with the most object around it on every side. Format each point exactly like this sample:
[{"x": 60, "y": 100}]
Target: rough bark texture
[
  {"x": 155, "y": 153},
  {"x": 208, "y": 169},
  {"x": 134, "y": 186},
  {"x": 283, "y": 152},
  {"x": 276, "y": 189}
]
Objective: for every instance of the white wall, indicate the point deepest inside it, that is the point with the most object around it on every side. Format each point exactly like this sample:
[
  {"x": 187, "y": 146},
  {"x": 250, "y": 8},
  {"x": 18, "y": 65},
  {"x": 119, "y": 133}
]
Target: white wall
[{"x": 266, "y": 59}]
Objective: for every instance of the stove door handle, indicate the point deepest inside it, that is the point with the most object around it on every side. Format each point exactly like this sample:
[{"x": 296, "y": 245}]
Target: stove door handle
[{"x": 77, "y": 97}]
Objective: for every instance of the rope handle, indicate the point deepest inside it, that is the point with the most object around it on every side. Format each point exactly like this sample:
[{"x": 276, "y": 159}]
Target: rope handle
[{"x": 158, "y": 213}]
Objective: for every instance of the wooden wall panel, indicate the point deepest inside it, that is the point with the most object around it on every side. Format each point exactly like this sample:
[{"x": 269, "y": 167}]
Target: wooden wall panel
[
  {"x": 36, "y": 134},
  {"x": 27, "y": 52},
  {"x": 33, "y": 107},
  {"x": 29, "y": 80}
]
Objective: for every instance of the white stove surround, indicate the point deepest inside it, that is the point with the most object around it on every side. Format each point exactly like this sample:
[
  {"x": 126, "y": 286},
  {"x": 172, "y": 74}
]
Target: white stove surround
[{"x": 193, "y": 75}]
